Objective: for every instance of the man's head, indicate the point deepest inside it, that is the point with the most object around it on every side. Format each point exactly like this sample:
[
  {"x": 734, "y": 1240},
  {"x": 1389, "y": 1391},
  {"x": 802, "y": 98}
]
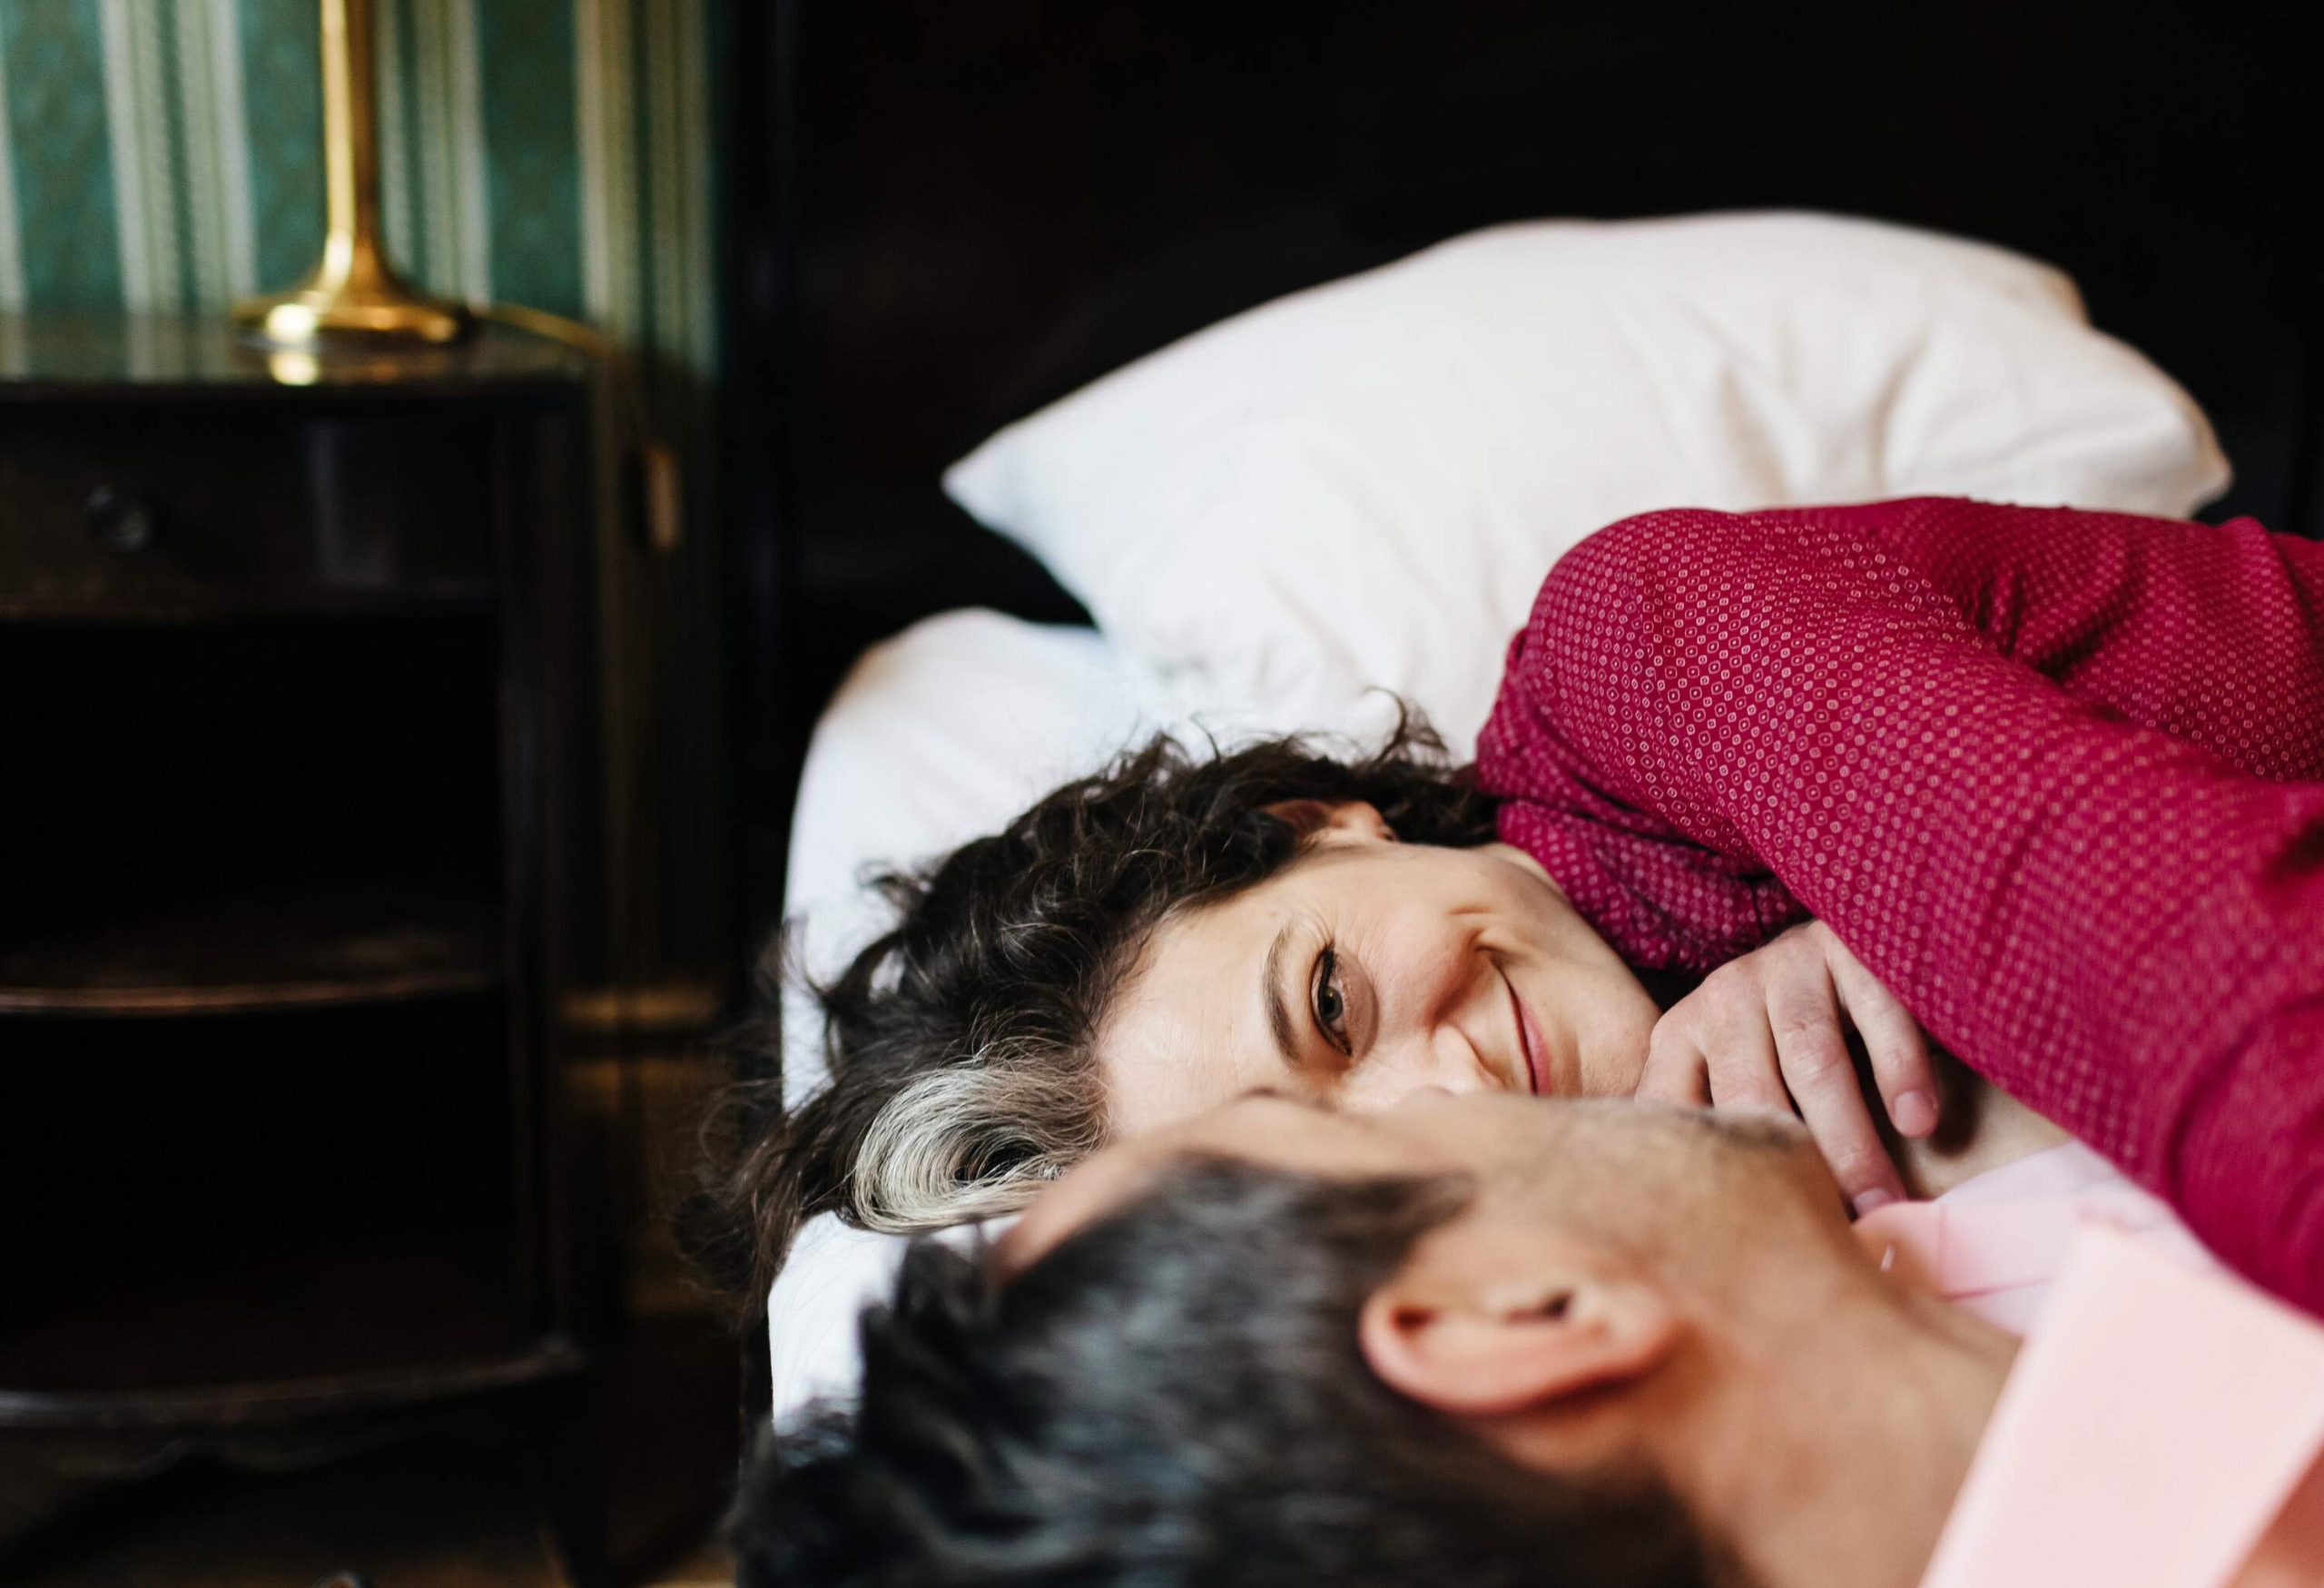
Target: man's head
[
  {"x": 1473, "y": 1340},
  {"x": 1176, "y": 1396}
]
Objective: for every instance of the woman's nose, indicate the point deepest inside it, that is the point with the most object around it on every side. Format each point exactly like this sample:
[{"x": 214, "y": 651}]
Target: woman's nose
[
  {"x": 1455, "y": 1066},
  {"x": 1439, "y": 1062}
]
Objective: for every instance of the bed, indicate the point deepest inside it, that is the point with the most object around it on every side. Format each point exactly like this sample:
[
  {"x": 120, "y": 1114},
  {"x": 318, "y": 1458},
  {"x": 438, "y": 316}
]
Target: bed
[{"x": 948, "y": 218}]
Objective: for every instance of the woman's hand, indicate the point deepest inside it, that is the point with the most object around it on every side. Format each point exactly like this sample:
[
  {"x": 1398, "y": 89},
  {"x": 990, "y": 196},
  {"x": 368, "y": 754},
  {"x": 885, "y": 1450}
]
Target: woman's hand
[{"x": 1765, "y": 1032}]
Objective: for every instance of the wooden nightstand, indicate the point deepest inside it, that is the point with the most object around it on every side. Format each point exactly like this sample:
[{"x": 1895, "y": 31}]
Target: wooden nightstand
[{"x": 288, "y": 737}]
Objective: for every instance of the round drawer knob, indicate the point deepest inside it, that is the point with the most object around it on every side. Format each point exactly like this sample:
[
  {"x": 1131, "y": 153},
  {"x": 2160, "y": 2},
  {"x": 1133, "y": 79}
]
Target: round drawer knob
[{"x": 122, "y": 521}]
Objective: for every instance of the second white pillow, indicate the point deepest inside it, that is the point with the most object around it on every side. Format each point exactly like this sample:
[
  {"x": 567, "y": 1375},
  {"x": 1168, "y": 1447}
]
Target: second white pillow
[{"x": 1362, "y": 484}]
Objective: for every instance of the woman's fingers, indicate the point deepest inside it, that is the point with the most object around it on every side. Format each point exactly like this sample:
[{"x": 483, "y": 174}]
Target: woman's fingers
[
  {"x": 1769, "y": 1030},
  {"x": 1674, "y": 1070},
  {"x": 1804, "y": 1014},
  {"x": 1741, "y": 1059},
  {"x": 1893, "y": 1040},
  {"x": 1713, "y": 1051}
]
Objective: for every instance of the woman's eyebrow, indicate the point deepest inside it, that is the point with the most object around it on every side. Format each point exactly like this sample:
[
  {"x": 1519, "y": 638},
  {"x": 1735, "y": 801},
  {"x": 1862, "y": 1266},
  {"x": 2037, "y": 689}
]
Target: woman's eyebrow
[{"x": 1286, "y": 1040}]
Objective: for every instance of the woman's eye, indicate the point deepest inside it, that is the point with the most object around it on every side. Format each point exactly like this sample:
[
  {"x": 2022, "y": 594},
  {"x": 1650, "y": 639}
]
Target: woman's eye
[{"x": 1331, "y": 1005}]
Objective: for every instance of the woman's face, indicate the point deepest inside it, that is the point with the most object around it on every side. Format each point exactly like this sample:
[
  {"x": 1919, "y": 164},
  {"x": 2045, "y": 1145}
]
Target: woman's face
[{"x": 1366, "y": 970}]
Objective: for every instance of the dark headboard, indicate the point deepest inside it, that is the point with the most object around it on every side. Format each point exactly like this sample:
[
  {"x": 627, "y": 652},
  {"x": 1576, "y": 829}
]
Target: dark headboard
[{"x": 943, "y": 212}]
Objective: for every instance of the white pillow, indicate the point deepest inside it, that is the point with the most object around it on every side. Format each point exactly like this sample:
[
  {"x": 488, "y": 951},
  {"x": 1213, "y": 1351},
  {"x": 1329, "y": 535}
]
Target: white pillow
[{"x": 1364, "y": 483}]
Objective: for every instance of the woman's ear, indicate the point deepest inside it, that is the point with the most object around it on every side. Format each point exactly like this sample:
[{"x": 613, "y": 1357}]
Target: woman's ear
[
  {"x": 1512, "y": 1345},
  {"x": 1333, "y": 821}
]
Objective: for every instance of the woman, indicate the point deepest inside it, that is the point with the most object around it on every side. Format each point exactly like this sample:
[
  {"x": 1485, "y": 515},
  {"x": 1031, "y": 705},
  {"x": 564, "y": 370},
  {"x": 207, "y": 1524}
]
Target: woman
[{"x": 1724, "y": 744}]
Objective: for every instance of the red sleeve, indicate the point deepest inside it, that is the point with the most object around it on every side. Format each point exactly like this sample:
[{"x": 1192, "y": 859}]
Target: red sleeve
[{"x": 2024, "y": 763}]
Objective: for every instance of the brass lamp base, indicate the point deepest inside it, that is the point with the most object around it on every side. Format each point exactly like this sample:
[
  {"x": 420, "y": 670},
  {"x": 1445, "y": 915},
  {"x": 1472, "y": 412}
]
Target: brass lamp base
[{"x": 318, "y": 313}]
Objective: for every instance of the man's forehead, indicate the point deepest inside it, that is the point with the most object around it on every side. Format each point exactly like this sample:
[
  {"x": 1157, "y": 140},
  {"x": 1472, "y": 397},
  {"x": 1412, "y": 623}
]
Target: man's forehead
[
  {"x": 1276, "y": 1131},
  {"x": 1087, "y": 1192}
]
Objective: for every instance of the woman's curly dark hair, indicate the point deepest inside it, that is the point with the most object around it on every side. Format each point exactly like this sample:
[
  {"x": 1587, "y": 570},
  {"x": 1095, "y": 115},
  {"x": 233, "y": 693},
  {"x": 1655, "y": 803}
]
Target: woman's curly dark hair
[{"x": 959, "y": 1042}]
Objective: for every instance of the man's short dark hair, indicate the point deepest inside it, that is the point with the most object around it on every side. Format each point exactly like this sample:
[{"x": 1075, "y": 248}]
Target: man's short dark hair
[{"x": 1176, "y": 1396}]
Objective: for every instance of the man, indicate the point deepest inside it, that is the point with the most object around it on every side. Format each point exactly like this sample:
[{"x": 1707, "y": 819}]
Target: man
[{"x": 1498, "y": 1340}]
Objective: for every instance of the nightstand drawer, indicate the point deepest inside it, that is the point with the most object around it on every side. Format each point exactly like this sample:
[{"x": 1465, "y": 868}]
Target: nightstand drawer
[{"x": 168, "y": 508}]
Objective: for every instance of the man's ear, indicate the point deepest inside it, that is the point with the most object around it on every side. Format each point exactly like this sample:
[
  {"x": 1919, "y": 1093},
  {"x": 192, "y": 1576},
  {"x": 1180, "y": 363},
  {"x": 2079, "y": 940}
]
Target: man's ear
[
  {"x": 1333, "y": 821},
  {"x": 1511, "y": 1345}
]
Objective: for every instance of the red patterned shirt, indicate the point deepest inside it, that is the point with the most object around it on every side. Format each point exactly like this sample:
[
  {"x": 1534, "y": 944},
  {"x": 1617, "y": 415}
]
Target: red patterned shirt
[{"x": 2057, "y": 778}]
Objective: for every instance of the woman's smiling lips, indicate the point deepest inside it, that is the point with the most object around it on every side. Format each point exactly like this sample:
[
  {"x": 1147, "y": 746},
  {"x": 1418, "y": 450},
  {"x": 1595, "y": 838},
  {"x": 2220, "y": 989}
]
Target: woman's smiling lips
[{"x": 1529, "y": 1038}]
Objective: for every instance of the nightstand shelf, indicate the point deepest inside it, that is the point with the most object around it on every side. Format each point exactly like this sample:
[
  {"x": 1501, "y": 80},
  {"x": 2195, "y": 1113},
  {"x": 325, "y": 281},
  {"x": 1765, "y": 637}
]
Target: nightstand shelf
[
  {"x": 436, "y": 1514},
  {"x": 290, "y": 944},
  {"x": 321, "y": 1192},
  {"x": 453, "y": 597},
  {"x": 269, "y": 814}
]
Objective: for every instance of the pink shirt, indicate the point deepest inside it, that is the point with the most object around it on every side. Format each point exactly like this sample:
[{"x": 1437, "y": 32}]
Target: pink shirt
[
  {"x": 2162, "y": 1428},
  {"x": 2163, "y": 1420},
  {"x": 1994, "y": 1245}
]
